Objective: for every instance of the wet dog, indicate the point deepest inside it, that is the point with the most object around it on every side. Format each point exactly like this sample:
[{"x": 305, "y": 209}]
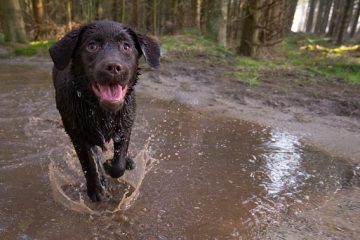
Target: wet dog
[{"x": 95, "y": 71}]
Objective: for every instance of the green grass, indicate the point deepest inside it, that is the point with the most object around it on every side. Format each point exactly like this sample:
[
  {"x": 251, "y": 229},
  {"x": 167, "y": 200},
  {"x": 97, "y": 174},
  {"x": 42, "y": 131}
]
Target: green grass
[
  {"x": 247, "y": 70},
  {"x": 192, "y": 41},
  {"x": 247, "y": 77},
  {"x": 299, "y": 53},
  {"x": 33, "y": 48},
  {"x": 2, "y": 38},
  {"x": 349, "y": 72},
  {"x": 320, "y": 57}
]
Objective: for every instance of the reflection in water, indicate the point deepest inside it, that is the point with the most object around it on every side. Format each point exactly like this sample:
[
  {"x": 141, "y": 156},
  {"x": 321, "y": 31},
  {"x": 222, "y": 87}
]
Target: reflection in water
[{"x": 283, "y": 162}]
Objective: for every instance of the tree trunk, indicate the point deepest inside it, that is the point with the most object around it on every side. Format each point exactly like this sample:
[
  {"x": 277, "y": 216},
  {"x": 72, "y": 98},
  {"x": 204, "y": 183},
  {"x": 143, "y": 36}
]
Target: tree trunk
[
  {"x": 354, "y": 23},
  {"x": 232, "y": 22},
  {"x": 88, "y": 8},
  {"x": 198, "y": 14},
  {"x": 334, "y": 17},
  {"x": 222, "y": 23},
  {"x": 290, "y": 9},
  {"x": 250, "y": 32},
  {"x": 277, "y": 26},
  {"x": 343, "y": 25},
  {"x": 12, "y": 21},
  {"x": 115, "y": 10},
  {"x": 98, "y": 10},
  {"x": 320, "y": 15},
  {"x": 135, "y": 17},
  {"x": 38, "y": 13},
  {"x": 148, "y": 15},
  {"x": 68, "y": 15},
  {"x": 154, "y": 9},
  {"x": 325, "y": 19},
  {"x": 210, "y": 15},
  {"x": 123, "y": 8},
  {"x": 310, "y": 16},
  {"x": 204, "y": 15},
  {"x": 240, "y": 21},
  {"x": 341, "y": 14}
]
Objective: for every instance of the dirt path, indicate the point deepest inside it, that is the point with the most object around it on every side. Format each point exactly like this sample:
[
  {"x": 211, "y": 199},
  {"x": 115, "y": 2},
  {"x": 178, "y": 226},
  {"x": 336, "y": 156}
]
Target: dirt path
[
  {"x": 325, "y": 114},
  {"x": 336, "y": 219}
]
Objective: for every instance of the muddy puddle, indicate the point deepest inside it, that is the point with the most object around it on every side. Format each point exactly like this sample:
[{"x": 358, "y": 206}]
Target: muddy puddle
[{"x": 210, "y": 177}]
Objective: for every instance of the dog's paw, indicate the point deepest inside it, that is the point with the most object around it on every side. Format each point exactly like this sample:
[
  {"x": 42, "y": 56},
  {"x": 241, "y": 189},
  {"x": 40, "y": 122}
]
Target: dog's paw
[
  {"x": 130, "y": 164},
  {"x": 96, "y": 193},
  {"x": 113, "y": 171}
]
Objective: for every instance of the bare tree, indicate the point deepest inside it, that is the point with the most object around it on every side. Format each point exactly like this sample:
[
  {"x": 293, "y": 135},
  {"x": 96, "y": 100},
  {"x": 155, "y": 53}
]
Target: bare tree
[
  {"x": 355, "y": 19},
  {"x": 38, "y": 13},
  {"x": 12, "y": 21},
  {"x": 310, "y": 16},
  {"x": 68, "y": 6},
  {"x": 222, "y": 23},
  {"x": 198, "y": 14},
  {"x": 320, "y": 15},
  {"x": 344, "y": 20},
  {"x": 250, "y": 32},
  {"x": 290, "y": 8},
  {"x": 325, "y": 17},
  {"x": 336, "y": 12},
  {"x": 135, "y": 16}
]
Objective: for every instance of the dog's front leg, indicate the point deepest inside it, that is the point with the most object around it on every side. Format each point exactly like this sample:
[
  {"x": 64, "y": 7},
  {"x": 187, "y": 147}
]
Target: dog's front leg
[
  {"x": 85, "y": 153},
  {"x": 120, "y": 162}
]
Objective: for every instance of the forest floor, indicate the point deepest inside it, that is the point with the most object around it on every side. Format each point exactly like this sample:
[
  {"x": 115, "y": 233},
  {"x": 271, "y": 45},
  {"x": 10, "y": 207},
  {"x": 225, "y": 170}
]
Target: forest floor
[
  {"x": 311, "y": 93},
  {"x": 309, "y": 89}
]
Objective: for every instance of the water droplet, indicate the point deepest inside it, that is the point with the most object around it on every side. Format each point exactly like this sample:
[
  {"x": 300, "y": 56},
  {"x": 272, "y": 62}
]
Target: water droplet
[
  {"x": 117, "y": 138},
  {"x": 78, "y": 93}
]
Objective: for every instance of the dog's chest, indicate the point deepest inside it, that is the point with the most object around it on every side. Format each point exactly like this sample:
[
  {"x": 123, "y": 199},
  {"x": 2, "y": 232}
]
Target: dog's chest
[{"x": 105, "y": 124}]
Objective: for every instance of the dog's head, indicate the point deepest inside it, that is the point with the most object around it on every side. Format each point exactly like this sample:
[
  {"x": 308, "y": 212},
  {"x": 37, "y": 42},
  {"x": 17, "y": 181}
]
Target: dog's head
[{"x": 104, "y": 57}]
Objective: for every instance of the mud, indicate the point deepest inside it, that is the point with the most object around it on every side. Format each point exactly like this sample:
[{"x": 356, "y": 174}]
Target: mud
[
  {"x": 216, "y": 177},
  {"x": 314, "y": 110}
]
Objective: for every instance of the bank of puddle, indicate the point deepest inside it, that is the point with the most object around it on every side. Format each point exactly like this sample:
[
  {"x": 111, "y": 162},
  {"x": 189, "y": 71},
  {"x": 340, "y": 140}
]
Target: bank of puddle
[{"x": 199, "y": 175}]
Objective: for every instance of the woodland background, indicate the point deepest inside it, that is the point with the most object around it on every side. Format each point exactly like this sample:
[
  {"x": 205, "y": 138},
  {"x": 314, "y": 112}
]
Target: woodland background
[{"x": 245, "y": 27}]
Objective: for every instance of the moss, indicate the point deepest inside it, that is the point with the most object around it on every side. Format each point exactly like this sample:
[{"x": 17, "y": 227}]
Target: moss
[
  {"x": 247, "y": 77},
  {"x": 320, "y": 57},
  {"x": 34, "y": 48},
  {"x": 2, "y": 38},
  {"x": 253, "y": 64},
  {"x": 192, "y": 41}
]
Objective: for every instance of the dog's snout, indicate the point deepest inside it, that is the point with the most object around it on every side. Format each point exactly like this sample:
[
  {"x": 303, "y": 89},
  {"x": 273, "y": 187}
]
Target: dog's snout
[
  {"x": 113, "y": 68},
  {"x": 111, "y": 71}
]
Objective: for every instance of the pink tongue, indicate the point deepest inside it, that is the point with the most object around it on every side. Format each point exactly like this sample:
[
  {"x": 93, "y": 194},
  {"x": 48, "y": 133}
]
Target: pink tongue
[{"x": 112, "y": 93}]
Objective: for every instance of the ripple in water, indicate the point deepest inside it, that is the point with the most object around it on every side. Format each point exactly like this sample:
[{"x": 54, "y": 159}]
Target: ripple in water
[{"x": 69, "y": 187}]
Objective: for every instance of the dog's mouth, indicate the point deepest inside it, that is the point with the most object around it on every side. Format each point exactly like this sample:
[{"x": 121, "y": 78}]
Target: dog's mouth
[{"x": 113, "y": 94}]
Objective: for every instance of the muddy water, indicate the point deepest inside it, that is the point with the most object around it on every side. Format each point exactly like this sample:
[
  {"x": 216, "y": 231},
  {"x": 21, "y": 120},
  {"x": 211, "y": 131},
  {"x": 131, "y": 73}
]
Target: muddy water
[{"x": 215, "y": 178}]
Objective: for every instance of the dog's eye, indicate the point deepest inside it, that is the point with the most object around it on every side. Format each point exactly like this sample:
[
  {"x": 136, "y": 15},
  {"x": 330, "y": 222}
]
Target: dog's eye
[
  {"x": 126, "y": 46},
  {"x": 92, "y": 47}
]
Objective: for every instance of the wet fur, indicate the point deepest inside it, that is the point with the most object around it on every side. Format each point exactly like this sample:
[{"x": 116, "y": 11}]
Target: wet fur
[{"x": 86, "y": 122}]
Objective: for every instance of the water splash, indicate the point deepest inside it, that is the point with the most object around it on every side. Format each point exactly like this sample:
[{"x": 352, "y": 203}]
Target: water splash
[{"x": 69, "y": 191}]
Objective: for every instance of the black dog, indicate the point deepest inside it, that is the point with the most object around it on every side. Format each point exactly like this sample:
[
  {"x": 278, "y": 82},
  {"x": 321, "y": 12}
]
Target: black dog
[{"x": 95, "y": 71}]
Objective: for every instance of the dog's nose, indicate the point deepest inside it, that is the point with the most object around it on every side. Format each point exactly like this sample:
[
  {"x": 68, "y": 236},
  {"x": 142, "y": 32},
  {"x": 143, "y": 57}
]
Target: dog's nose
[{"x": 113, "y": 68}]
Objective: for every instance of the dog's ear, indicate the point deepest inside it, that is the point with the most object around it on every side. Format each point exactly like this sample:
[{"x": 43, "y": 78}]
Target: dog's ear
[
  {"x": 62, "y": 51},
  {"x": 148, "y": 47},
  {"x": 151, "y": 50}
]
